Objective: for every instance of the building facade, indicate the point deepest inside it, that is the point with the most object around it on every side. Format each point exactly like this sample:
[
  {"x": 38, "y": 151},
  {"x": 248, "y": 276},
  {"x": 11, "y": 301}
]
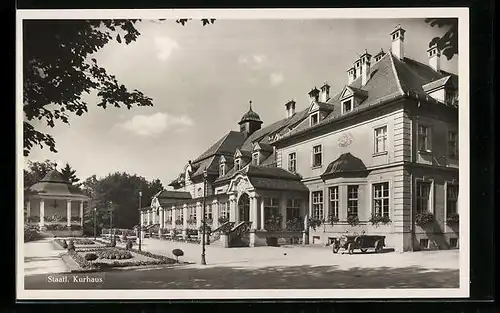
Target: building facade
[{"x": 381, "y": 157}]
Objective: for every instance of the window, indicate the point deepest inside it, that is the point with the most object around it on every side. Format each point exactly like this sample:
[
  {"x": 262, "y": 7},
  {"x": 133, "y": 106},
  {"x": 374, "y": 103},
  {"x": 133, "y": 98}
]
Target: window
[
  {"x": 424, "y": 243},
  {"x": 347, "y": 106},
  {"x": 292, "y": 208},
  {"x": 317, "y": 204},
  {"x": 180, "y": 214},
  {"x": 423, "y": 196},
  {"x": 352, "y": 200},
  {"x": 208, "y": 212},
  {"x": 317, "y": 156},
  {"x": 453, "y": 144},
  {"x": 192, "y": 212},
  {"x": 381, "y": 139},
  {"x": 200, "y": 192},
  {"x": 314, "y": 119},
  {"x": 222, "y": 169},
  {"x": 381, "y": 199},
  {"x": 334, "y": 201},
  {"x": 224, "y": 209},
  {"x": 255, "y": 158},
  {"x": 271, "y": 208},
  {"x": 237, "y": 164},
  {"x": 451, "y": 199},
  {"x": 169, "y": 216},
  {"x": 423, "y": 138},
  {"x": 453, "y": 242},
  {"x": 292, "y": 162}
]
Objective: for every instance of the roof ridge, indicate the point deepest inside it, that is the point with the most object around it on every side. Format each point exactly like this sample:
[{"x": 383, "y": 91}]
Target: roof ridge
[{"x": 398, "y": 81}]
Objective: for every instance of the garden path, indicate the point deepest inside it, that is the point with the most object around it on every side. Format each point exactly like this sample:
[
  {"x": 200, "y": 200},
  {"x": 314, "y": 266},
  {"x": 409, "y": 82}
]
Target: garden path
[{"x": 40, "y": 257}]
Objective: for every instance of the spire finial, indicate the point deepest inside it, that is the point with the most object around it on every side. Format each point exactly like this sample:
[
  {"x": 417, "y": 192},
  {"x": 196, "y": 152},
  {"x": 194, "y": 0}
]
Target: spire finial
[{"x": 250, "y": 105}]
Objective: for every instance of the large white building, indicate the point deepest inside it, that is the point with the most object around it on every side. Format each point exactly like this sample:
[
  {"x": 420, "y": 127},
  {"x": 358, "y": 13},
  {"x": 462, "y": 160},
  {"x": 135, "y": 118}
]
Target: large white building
[{"x": 380, "y": 156}]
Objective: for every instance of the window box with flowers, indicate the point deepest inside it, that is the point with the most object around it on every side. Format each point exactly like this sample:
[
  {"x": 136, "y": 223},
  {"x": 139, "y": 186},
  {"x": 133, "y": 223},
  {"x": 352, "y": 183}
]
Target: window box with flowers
[
  {"x": 453, "y": 219},
  {"x": 191, "y": 221},
  {"x": 295, "y": 224},
  {"x": 353, "y": 219},
  {"x": 314, "y": 223},
  {"x": 424, "y": 218},
  {"x": 332, "y": 219},
  {"x": 209, "y": 221},
  {"x": 179, "y": 222},
  {"x": 274, "y": 223},
  {"x": 377, "y": 219},
  {"x": 223, "y": 220}
]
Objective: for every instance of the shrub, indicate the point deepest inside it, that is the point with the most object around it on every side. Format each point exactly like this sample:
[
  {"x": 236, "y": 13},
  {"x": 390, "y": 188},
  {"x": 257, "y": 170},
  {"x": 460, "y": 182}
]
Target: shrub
[
  {"x": 352, "y": 220},
  {"x": 376, "y": 219},
  {"x": 332, "y": 219},
  {"x": 453, "y": 219},
  {"x": 84, "y": 242},
  {"x": 114, "y": 254},
  {"x": 65, "y": 244},
  {"x": 223, "y": 220},
  {"x": 71, "y": 245},
  {"x": 179, "y": 222},
  {"x": 31, "y": 233},
  {"x": 90, "y": 256},
  {"x": 129, "y": 244},
  {"x": 208, "y": 229},
  {"x": 177, "y": 253},
  {"x": 424, "y": 218},
  {"x": 274, "y": 223},
  {"x": 296, "y": 224}
]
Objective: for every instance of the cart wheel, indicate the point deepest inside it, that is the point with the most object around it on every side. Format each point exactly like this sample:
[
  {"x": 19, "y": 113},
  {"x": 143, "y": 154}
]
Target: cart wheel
[
  {"x": 335, "y": 248},
  {"x": 363, "y": 250},
  {"x": 378, "y": 247},
  {"x": 350, "y": 248}
]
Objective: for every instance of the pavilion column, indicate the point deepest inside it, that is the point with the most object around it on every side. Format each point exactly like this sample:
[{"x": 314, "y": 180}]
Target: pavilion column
[
  {"x": 42, "y": 212},
  {"x": 162, "y": 218},
  {"x": 148, "y": 217},
  {"x": 81, "y": 213},
  {"x": 253, "y": 212},
  {"x": 185, "y": 216},
  {"x": 68, "y": 213},
  {"x": 174, "y": 216},
  {"x": 282, "y": 204},
  {"x": 262, "y": 222}
]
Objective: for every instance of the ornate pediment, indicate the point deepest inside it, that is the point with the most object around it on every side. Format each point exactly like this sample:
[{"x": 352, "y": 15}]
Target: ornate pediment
[{"x": 239, "y": 185}]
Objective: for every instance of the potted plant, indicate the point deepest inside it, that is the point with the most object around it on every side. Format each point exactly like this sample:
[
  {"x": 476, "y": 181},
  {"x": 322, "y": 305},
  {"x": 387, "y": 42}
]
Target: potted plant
[
  {"x": 353, "y": 219},
  {"x": 376, "y": 219},
  {"x": 424, "y": 218},
  {"x": 295, "y": 224},
  {"x": 314, "y": 222},
  {"x": 453, "y": 219},
  {"x": 273, "y": 223}
]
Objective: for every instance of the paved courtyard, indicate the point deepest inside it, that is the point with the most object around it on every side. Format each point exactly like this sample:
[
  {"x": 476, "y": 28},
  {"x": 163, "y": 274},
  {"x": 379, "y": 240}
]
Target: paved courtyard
[{"x": 293, "y": 267}]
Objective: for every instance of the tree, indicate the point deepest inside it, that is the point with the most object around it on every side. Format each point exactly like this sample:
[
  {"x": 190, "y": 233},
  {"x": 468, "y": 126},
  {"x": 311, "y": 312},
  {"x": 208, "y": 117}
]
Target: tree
[
  {"x": 68, "y": 173},
  {"x": 448, "y": 43},
  {"x": 58, "y": 70},
  {"x": 36, "y": 171}
]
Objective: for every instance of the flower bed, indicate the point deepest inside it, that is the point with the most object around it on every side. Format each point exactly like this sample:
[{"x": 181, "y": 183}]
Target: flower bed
[{"x": 31, "y": 233}]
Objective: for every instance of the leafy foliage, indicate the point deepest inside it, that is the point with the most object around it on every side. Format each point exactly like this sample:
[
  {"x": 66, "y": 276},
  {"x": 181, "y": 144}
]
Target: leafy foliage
[
  {"x": 376, "y": 219},
  {"x": 424, "y": 218},
  {"x": 332, "y": 219},
  {"x": 177, "y": 253},
  {"x": 58, "y": 69},
  {"x": 31, "y": 233},
  {"x": 353, "y": 219},
  {"x": 453, "y": 219},
  {"x": 448, "y": 43},
  {"x": 314, "y": 222},
  {"x": 90, "y": 256},
  {"x": 36, "y": 171}
]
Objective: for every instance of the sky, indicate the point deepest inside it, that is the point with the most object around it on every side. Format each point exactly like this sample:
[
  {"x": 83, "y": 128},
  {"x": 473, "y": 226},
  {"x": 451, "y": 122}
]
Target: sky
[{"x": 201, "y": 79}]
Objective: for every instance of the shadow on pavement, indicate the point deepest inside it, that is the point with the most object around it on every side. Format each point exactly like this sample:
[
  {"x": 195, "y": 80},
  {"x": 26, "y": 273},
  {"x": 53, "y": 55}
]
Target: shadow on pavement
[{"x": 277, "y": 277}]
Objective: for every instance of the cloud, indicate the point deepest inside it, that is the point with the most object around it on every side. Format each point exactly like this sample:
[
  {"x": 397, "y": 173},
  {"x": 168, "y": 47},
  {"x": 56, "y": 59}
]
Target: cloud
[
  {"x": 165, "y": 46},
  {"x": 157, "y": 123},
  {"x": 255, "y": 61},
  {"x": 276, "y": 78}
]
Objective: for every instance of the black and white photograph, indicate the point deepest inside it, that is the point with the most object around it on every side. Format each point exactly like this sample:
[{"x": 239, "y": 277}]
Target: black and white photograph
[{"x": 225, "y": 154}]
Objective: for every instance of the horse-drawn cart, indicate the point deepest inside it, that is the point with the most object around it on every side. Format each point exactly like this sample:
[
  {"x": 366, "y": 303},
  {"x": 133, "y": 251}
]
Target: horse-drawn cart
[{"x": 362, "y": 242}]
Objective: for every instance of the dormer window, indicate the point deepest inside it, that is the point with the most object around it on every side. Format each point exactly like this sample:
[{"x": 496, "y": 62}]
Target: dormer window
[
  {"x": 347, "y": 106},
  {"x": 255, "y": 158},
  {"x": 222, "y": 169},
  {"x": 237, "y": 164},
  {"x": 314, "y": 118}
]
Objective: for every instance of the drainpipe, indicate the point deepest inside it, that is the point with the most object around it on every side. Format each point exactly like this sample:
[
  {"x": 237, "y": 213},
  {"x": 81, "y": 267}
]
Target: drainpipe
[{"x": 412, "y": 218}]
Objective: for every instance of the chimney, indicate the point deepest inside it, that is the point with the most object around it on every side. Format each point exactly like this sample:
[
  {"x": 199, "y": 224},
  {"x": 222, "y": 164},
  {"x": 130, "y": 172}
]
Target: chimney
[
  {"x": 357, "y": 68},
  {"x": 290, "y": 108},
  {"x": 379, "y": 55},
  {"x": 325, "y": 92},
  {"x": 434, "y": 57},
  {"x": 398, "y": 40},
  {"x": 351, "y": 75},
  {"x": 314, "y": 94},
  {"x": 365, "y": 67}
]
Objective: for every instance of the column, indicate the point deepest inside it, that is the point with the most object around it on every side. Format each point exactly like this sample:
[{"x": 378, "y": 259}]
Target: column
[
  {"x": 215, "y": 214},
  {"x": 253, "y": 212},
  {"x": 81, "y": 213},
  {"x": 262, "y": 221},
  {"x": 162, "y": 218},
  {"x": 28, "y": 208},
  {"x": 232, "y": 208},
  {"x": 148, "y": 216},
  {"x": 282, "y": 209},
  {"x": 185, "y": 214},
  {"x": 68, "y": 213},
  {"x": 199, "y": 213},
  {"x": 42, "y": 212},
  {"x": 174, "y": 216}
]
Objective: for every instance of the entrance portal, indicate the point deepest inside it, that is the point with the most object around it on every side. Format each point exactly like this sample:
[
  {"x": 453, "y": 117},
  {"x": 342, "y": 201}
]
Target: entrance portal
[{"x": 244, "y": 208}]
